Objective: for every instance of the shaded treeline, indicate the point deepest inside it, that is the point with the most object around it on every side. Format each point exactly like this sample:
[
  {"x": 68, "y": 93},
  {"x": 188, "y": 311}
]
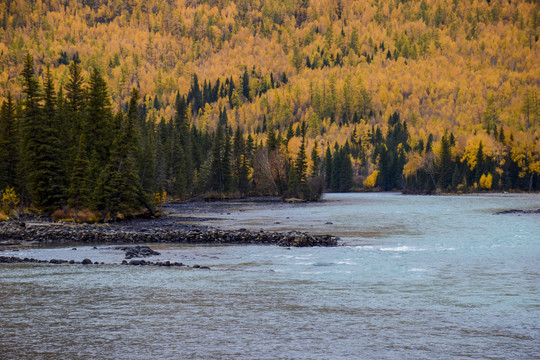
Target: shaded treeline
[{"x": 66, "y": 146}]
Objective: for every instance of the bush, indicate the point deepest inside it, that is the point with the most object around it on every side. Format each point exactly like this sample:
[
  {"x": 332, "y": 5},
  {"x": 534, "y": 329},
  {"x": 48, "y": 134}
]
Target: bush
[
  {"x": 67, "y": 214},
  {"x": 10, "y": 200}
]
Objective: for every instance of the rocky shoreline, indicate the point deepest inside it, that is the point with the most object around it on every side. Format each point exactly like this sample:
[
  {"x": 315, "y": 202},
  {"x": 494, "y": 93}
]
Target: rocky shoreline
[
  {"x": 18, "y": 260},
  {"x": 47, "y": 233}
]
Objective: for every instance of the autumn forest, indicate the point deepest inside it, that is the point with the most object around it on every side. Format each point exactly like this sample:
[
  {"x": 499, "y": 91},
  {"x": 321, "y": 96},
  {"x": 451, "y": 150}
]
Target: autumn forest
[{"x": 110, "y": 107}]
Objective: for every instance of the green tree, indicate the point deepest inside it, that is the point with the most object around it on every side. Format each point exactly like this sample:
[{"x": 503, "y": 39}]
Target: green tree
[
  {"x": 119, "y": 190},
  {"x": 315, "y": 159},
  {"x": 226, "y": 160},
  {"x": 75, "y": 101},
  {"x": 271, "y": 141},
  {"x": 328, "y": 170},
  {"x": 51, "y": 152},
  {"x": 238, "y": 154},
  {"x": 98, "y": 123},
  {"x": 243, "y": 176},
  {"x": 246, "y": 91},
  {"x": 217, "y": 171},
  {"x": 182, "y": 150},
  {"x": 79, "y": 189},
  {"x": 301, "y": 160},
  {"x": 9, "y": 144},
  {"x": 446, "y": 165},
  {"x": 40, "y": 171}
]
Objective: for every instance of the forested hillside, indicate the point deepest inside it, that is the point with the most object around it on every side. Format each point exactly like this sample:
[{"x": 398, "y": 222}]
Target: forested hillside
[{"x": 265, "y": 97}]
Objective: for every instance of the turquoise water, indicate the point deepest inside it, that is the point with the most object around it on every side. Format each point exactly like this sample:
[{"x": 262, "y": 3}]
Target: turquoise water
[{"x": 417, "y": 277}]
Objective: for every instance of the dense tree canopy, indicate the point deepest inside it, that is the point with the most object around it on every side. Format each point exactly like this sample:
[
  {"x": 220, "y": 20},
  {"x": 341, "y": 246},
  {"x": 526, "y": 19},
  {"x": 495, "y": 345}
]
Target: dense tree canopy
[{"x": 232, "y": 96}]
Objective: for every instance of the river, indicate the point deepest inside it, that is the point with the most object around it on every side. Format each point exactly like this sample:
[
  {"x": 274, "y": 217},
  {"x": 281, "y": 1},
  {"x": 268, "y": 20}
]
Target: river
[{"x": 416, "y": 277}]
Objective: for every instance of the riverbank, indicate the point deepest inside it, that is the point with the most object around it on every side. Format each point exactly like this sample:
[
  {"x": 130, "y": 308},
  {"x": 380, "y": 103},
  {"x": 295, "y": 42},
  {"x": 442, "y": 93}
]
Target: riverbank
[{"x": 141, "y": 231}]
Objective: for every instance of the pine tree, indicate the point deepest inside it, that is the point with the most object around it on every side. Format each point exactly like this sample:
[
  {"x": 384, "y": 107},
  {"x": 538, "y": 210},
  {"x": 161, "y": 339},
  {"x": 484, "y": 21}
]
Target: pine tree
[
  {"x": 446, "y": 166},
  {"x": 226, "y": 159},
  {"x": 40, "y": 170},
  {"x": 290, "y": 133},
  {"x": 196, "y": 95},
  {"x": 315, "y": 160},
  {"x": 217, "y": 163},
  {"x": 271, "y": 141},
  {"x": 147, "y": 157},
  {"x": 250, "y": 149},
  {"x": 182, "y": 150},
  {"x": 301, "y": 160},
  {"x": 480, "y": 168},
  {"x": 98, "y": 122},
  {"x": 79, "y": 190},
  {"x": 346, "y": 173},
  {"x": 9, "y": 144},
  {"x": 119, "y": 189},
  {"x": 223, "y": 119},
  {"x": 246, "y": 91},
  {"x": 51, "y": 154},
  {"x": 328, "y": 167},
  {"x": 238, "y": 154},
  {"x": 31, "y": 118},
  {"x": 75, "y": 101},
  {"x": 243, "y": 176}
]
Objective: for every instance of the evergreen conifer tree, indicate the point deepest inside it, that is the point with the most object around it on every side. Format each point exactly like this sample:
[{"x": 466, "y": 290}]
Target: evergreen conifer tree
[
  {"x": 79, "y": 190},
  {"x": 119, "y": 189},
  {"x": 217, "y": 162},
  {"x": 9, "y": 144},
  {"x": 98, "y": 122},
  {"x": 246, "y": 91},
  {"x": 446, "y": 166},
  {"x": 301, "y": 162},
  {"x": 271, "y": 141},
  {"x": 39, "y": 152},
  {"x": 328, "y": 167},
  {"x": 316, "y": 160},
  {"x": 75, "y": 101},
  {"x": 226, "y": 160},
  {"x": 238, "y": 154}
]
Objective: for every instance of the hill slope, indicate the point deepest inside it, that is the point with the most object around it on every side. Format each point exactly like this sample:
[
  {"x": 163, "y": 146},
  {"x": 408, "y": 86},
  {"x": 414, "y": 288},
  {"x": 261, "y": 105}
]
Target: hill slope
[{"x": 469, "y": 69}]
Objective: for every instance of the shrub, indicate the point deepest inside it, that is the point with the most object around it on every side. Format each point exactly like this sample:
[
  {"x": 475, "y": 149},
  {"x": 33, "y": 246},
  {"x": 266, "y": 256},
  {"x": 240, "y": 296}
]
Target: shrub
[{"x": 10, "y": 200}]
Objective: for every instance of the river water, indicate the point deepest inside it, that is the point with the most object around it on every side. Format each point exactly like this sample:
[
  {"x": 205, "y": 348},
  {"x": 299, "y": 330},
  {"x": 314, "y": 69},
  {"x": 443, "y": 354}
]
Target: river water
[{"x": 417, "y": 277}]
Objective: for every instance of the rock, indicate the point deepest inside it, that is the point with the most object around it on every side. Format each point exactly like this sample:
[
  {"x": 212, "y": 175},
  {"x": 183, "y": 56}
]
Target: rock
[
  {"x": 516, "y": 211},
  {"x": 106, "y": 234},
  {"x": 329, "y": 223},
  {"x": 138, "y": 262},
  {"x": 138, "y": 251},
  {"x": 53, "y": 261},
  {"x": 86, "y": 262}
]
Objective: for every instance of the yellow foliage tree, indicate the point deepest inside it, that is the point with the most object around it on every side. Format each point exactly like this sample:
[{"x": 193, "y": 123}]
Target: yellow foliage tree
[
  {"x": 486, "y": 181},
  {"x": 371, "y": 180}
]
